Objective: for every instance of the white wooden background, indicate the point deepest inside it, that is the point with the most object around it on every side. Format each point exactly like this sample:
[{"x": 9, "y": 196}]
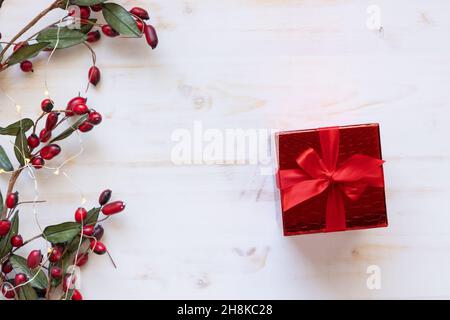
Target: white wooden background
[{"x": 211, "y": 231}]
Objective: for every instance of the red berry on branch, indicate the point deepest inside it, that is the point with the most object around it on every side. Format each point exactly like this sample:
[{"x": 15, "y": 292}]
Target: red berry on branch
[
  {"x": 12, "y": 199},
  {"x": 47, "y": 105},
  {"x": 85, "y": 12},
  {"x": 33, "y": 141},
  {"x": 7, "y": 267},
  {"x": 26, "y": 66},
  {"x": 73, "y": 102},
  {"x": 76, "y": 295},
  {"x": 93, "y": 36},
  {"x": 55, "y": 255},
  {"x": 45, "y": 135},
  {"x": 88, "y": 230},
  {"x": 8, "y": 291},
  {"x": 97, "y": 7},
  {"x": 109, "y": 31},
  {"x": 141, "y": 25},
  {"x": 69, "y": 281},
  {"x": 98, "y": 232},
  {"x": 20, "y": 278},
  {"x": 56, "y": 272},
  {"x": 105, "y": 196},
  {"x": 80, "y": 215},
  {"x": 80, "y": 109},
  {"x": 37, "y": 162},
  {"x": 113, "y": 208},
  {"x": 151, "y": 36},
  {"x": 34, "y": 259},
  {"x": 95, "y": 118},
  {"x": 94, "y": 75},
  {"x": 140, "y": 12},
  {"x": 52, "y": 120},
  {"x": 5, "y": 226},
  {"x": 85, "y": 126},
  {"x": 17, "y": 241},
  {"x": 50, "y": 151},
  {"x": 98, "y": 247},
  {"x": 82, "y": 260}
]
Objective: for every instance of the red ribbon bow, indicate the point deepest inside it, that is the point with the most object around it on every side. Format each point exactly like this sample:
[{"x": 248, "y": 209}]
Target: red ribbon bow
[{"x": 316, "y": 175}]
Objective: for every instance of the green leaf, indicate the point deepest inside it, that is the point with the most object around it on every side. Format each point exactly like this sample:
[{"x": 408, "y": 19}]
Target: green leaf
[
  {"x": 5, "y": 163},
  {"x": 64, "y": 39},
  {"x": 21, "y": 149},
  {"x": 92, "y": 216},
  {"x": 20, "y": 266},
  {"x": 62, "y": 233},
  {"x": 120, "y": 20},
  {"x": 26, "y": 52},
  {"x": 66, "y": 133},
  {"x": 1, "y": 204},
  {"x": 86, "y": 2},
  {"x": 86, "y": 27},
  {"x": 5, "y": 242},
  {"x": 27, "y": 292},
  {"x": 13, "y": 129}
]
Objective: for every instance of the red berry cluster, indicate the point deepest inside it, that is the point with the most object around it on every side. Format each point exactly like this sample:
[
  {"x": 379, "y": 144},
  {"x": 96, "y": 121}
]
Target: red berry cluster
[
  {"x": 76, "y": 106},
  {"x": 90, "y": 232}
]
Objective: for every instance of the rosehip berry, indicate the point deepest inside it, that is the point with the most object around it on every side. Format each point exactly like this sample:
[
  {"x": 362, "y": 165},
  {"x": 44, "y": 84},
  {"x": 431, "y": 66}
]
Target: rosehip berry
[
  {"x": 82, "y": 260},
  {"x": 47, "y": 105},
  {"x": 34, "y": 259},
  {"x": 52, "y": 120},
  {"x": 80, "y": 215},
  {"x": 93, "y": 36},
  {"x": 45, "y": 135},
  {"x": 109, "y": 31},
  {"x": 20, "y": 278},
  {"x": 7, "y": 267},
  {"x": 80, "y": 109},
  {"x": 33, "y": 141},
  {"x": 98, "y": 247},
  {"x": 37, "y": 162},
  {"x": 17, "y": 241},
  {"x": 97, "y": 7},
  {"x": 8, "y": 291},
  {"x": 12, "y": 199},
  {"x": 85, "y": 12},
  {"x": 88, "y": 230},
  {"x": 113, "y": 208},
  {"x": 151, "y": 36},
  {"x": 5, "y": 226},
  {"x": 26, "y": 66},
  {"x": 50, "y": 151},
  {"x": 141, "y": 25},
  {"x": 55, "y": 255},
  {"x": 94, "y": 75},
  {"x": 98, "y": 232},
  {"x": 73, "y": 102},
  {"x": 140, "y": 12},
  {"x": 56, "y": 272},
  {"x": 76, "y": 295},
  {"x": 95, "y": 118},
  {"x": 105, "y": 196},
  {"x": 85, "y": 126}
]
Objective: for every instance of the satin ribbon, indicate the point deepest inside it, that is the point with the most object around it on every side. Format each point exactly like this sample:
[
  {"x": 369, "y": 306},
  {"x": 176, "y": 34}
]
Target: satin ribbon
[{"x": 316, "y": 175}]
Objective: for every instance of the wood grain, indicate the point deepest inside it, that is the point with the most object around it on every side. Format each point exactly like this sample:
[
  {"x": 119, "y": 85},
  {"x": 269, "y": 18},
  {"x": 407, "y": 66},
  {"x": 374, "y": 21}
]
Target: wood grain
[{"x": 211, "y": 231}]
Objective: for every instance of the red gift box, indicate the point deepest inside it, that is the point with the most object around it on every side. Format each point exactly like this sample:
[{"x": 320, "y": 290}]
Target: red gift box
[{"x": 331, "y": 179}]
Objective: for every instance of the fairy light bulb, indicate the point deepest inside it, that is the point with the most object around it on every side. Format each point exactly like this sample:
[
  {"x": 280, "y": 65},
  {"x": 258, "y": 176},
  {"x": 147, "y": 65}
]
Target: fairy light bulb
[
  {"x": 18, "y": 108},
  {"x": 56, "y": 172},
  {"x": 83, "y": 200}
]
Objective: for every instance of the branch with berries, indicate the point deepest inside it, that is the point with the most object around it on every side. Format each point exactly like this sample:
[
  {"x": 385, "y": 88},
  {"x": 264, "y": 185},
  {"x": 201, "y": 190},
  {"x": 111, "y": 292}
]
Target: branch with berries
[{"x": 51, "y": 275}]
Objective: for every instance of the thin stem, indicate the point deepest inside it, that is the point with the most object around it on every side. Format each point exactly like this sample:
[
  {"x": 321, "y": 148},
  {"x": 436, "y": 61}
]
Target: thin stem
[{"x": 53, "y": 6}]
